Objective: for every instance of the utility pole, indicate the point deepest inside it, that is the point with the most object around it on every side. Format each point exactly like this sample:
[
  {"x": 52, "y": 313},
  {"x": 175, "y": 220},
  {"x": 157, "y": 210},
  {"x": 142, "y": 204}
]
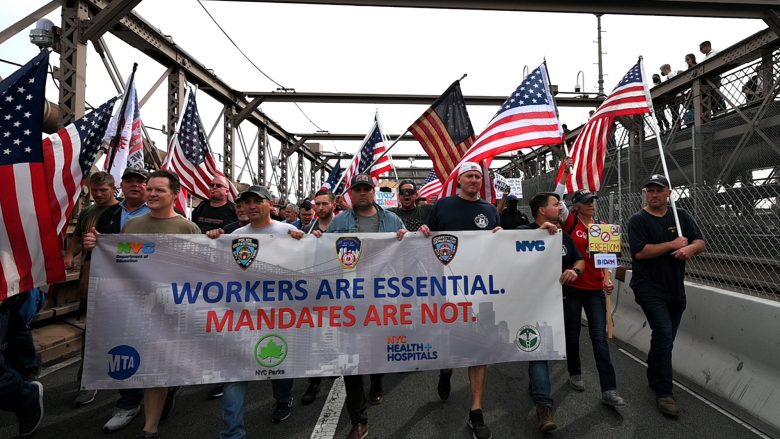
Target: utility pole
[{"x": 601, "y": 63}]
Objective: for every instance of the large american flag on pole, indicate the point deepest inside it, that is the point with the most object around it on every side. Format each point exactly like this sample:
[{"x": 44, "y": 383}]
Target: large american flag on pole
[
  {"x": 527, "y": 118},
  {"x": 589, "y": 151},
  {"x": 445, "y": 131},
  {"x": 189, "y": 155},
  {"x": 40, "y": 180},
  {"x": 373, "y": 148},
  {"x": 130, "y": 142}
]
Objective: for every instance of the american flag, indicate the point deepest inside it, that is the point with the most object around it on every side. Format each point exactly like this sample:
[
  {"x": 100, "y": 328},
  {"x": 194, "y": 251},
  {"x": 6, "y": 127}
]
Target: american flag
[
  {"x": 590, "y": 149},
  {"x": 333, "y": 177},
  {"x": 431, "y": 186},
  {"x": 527, "y": 118},
  {"x": 372, "y": 148},
  {"x": 189, "y": 155},
  {"x": 445, "y": 131},
  {"x": 130, "y": 143}
]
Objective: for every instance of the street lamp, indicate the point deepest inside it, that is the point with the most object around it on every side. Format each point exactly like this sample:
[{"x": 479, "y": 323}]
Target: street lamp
[
  {"x": 45, "y": 35},
  {"x": 577, "y": 87}
]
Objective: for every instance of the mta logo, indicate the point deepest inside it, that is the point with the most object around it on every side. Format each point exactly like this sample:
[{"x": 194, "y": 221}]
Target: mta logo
[
  {"x": 529, "y": 246},
  {"x": 146, "y": 248},
  {"x": 124, "y": 362}
]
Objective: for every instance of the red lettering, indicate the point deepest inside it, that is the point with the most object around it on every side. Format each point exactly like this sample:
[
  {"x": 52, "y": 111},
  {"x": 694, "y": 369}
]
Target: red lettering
[
  {"x": 351, "y": 320},
  {"x": 466, "y": 310},
  {"x": 264, "y": 320},
  {"x": 389, "y": 312},
  {"x": 453, "y": 315},
  {"x": 406, "y": 313},
  {"x": 212, "y": 320},
  {"x": 305, "y": 318},
  {"x": 372, "y": 316},
  {"x": 429, "y": 312},
  {"x": 286, "y": 318}
]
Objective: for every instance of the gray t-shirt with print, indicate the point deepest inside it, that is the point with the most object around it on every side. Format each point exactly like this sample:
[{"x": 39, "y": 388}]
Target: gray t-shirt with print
[{"x": 275, "y": 228}]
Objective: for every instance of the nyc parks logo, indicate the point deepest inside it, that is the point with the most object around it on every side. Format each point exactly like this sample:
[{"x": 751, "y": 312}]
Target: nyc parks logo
[{"x": 270, "y": 350}]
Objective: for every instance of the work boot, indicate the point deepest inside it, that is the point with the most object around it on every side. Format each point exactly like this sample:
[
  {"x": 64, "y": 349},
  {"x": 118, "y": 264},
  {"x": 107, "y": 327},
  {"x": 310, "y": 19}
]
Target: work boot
[
  {"x": 668, "y": 406},
  {"x": 546, "y": 419}
]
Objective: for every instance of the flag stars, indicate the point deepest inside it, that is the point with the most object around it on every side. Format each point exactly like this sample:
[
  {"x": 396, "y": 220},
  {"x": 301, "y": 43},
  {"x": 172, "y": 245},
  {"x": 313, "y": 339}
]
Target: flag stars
[
  {"x": 7, "y": 151},
  {"x": 20, "y": 89},
  {"x": 17, "y": 141},
  {"x": 27, "y": 114},
  {"x": 28, "y": 150},
  {"x": 9, "y": 98}
]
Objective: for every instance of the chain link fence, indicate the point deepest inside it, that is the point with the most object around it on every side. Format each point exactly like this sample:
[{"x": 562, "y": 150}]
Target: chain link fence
[{"x": 741, "y": 226}]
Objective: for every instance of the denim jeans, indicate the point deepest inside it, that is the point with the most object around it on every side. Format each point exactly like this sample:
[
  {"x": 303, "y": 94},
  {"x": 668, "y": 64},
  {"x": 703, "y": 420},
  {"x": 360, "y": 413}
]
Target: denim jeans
[
  {"x": 356, "y": 396},
  {"x": 594, "y": 303},
  {"x": 16, "y": 348},
  {"x": 539, "y": 383},
  {"x": 664, "y": 317},
  {"x": 234, "y": 405}
]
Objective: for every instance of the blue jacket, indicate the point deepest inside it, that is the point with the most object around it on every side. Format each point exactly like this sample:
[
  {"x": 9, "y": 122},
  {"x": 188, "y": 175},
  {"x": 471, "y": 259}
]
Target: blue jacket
[{"x": 347, "y": 222}]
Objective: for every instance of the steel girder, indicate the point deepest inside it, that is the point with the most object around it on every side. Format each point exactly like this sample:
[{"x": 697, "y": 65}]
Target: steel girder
[{"x": 688, "y": 8}]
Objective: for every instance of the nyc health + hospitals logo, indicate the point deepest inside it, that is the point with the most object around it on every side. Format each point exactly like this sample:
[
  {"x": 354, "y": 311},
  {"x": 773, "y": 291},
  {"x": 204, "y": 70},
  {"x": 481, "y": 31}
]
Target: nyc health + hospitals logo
[{"x": 528, "y": 338}]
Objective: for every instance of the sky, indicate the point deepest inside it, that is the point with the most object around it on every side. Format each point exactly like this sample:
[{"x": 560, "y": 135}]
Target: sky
[{"x": 351, "y": 49}]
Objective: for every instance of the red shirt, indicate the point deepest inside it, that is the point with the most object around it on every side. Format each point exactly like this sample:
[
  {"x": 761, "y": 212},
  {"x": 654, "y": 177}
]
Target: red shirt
[{"x": 592, "y": 278}]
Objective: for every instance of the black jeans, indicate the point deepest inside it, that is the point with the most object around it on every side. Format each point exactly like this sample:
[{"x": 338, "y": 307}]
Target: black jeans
[
  {"x": 594, "y": 304},
  {"x": 17, "y": 355},
  {"x": 663, "y": 316},
  {"x": 356, "y": 396}
]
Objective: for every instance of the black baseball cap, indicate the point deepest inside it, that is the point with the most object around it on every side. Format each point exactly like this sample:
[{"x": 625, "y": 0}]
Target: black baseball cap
[
  {"x": 658, "y": 179},
  {"x": 131, "y": 171},
  {"x": 362, "y": 179},
  {"x": 583, "y": 196},
  {"x": 259, "y": 191}
]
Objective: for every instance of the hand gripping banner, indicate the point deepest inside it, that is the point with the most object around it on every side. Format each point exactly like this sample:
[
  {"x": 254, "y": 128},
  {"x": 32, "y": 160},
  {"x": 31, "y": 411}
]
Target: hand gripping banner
[{"x": 168, "y": 310}]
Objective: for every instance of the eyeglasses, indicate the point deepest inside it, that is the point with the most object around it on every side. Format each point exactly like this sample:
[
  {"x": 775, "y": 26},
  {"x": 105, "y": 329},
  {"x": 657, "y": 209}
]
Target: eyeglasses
[
  {"x": 407, "y": 191},
  {"x": 216, "y": 185}
]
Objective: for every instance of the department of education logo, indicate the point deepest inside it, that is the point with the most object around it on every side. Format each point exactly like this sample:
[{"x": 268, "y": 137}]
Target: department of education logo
[
  {"x": 245, "y": 251},
  {"x": 445, "y": 247},
  {"x": 528, "y": 338},
  {"x": 270, "y": 350},
  {"x": 481, "y": 221},
  {"x": 348, "y": 250}
]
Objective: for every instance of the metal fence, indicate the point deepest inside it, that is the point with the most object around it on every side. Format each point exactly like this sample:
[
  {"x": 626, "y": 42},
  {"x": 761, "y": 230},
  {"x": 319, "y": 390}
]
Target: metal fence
[{"x": 741, "y": 226}]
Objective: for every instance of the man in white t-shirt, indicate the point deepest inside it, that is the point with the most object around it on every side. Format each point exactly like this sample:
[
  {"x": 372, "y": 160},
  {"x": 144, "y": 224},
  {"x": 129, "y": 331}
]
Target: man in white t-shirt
[{"x": 257, "y": 201}]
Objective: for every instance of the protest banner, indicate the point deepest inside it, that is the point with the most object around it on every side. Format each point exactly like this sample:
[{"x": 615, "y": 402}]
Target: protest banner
[
  {"x": 184, "y": 309},
  {"x": 515, "y": 187}
]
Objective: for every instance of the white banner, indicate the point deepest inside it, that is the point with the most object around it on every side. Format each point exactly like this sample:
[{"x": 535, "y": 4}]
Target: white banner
[{"x": 184, "y": 309}]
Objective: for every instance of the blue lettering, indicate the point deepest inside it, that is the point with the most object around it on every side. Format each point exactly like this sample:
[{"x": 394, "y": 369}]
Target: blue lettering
[
  {"x": 439, "y": 285},
  {"x": 422, "y": 286},
  {"x": 324, "y": 290},
  {"x": 186, "y": 290},
  {"x": 357, "y": 288},
  {"x": 148, "y": 248},
  {"x": 300, "y": 286},
  {"x": 342, "y": 287},
  {"x": 268, "y": 289},
  {"x": 233, "y": 291},
  {"x": 213, "y": 286},
  {"x": 524, "y": 246},
  {"x": 478, "y": 286},
  {"x": 251, "y": 290},
  {"x": 378, "y": 287},
  {"x": 408, "y": 285},
  {"x": 285, "y": 289}
]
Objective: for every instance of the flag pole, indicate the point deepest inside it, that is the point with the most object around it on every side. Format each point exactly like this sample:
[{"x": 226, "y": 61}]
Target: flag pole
[
  {"x": 386, "y": 138},
  {"x": 117, "y": 136},
  {"x": 657, "y": 131}
]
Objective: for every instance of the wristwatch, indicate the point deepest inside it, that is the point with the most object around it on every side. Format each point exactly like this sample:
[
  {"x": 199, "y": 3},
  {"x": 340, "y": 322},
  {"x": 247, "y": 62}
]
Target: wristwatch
[{"x": 578, "y": 271}]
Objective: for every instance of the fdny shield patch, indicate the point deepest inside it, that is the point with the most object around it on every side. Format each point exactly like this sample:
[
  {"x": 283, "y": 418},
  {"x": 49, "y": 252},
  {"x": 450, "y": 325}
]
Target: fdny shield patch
[
  {"x": 245, "y": 251},
  {"x": 348, "y": 250},
  {"x": 445, "y": 247}
]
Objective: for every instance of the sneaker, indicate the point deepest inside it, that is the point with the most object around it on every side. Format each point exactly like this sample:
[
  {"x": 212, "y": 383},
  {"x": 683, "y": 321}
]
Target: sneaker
[
  {"x": 170, "y": 403},
  {"x": 477, "y": 425},
  {"x": 147, "y": 435},
  {"x": 546, "y": 420},
  {"x": 282, "y": 411},
  {"x": 29, "y": 421},
  {"x": 576, "y": 383},
  {"x": 444, "y": 388},
  {"x": 612, "y": 399},
  {"x": 121, "y": 418},
  {"x": 84, "y": 397},
  {"x": 375, "y": 395},
  {"x": 359, "y": 431},
  {"x": 668, "y": 406},
  {"x": 310, "y": 394},
  {"x": 216, "y": 392}
]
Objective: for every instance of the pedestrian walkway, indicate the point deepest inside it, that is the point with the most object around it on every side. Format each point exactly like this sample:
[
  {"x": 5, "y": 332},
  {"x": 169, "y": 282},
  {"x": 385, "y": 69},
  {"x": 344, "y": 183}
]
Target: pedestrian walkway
[{"x": 411, "y": 409}]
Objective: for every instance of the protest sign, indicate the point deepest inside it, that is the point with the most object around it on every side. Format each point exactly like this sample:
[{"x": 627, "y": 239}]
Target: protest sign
[{"x": 604, "y": 238}]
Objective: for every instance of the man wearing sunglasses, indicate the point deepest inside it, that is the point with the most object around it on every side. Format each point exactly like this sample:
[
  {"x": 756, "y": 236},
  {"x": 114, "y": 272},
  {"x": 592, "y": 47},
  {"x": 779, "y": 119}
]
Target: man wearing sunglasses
[
  {"x": 412, "y": 214},
  {"x": 218, "y": 211}
]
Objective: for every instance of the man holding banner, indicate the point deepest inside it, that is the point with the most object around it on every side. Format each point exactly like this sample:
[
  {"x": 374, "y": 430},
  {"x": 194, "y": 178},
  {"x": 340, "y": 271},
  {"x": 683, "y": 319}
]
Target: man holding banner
[
  {"x": 365, "y": 217},
  {"x": 466, "y": 211},
  {"x": 659, "y": 251}
]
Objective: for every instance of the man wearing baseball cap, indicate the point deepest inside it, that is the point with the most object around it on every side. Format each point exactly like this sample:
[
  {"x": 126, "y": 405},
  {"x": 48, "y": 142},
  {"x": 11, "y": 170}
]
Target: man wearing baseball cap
[
  {"x": 466, "y": 211},
  {"x": 365, "y": 217},
  {"x": 658, "y": 262}
]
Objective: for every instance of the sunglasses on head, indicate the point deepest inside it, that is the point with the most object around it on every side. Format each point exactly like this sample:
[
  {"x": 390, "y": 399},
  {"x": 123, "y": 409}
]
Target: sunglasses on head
[{"x": 407, "y": 191}]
